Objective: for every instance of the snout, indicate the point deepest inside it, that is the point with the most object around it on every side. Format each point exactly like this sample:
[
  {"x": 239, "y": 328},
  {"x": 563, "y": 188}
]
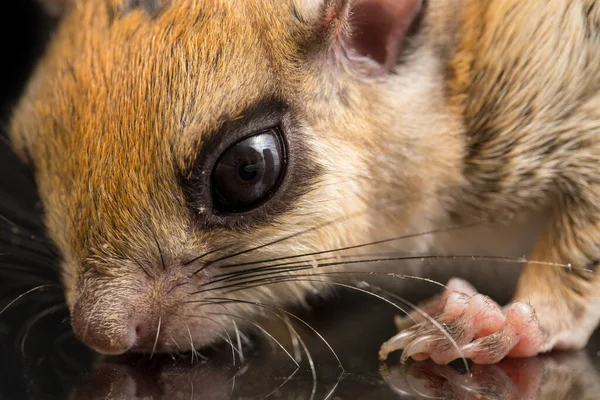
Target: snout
[{"x": 114, "y": 327}]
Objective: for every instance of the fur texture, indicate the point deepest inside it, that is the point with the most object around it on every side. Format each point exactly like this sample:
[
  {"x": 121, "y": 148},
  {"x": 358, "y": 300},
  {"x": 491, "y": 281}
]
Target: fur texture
[{"x": 492, "y": 110}]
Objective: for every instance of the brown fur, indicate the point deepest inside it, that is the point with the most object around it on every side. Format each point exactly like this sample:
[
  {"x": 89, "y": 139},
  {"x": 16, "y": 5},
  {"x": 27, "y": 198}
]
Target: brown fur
[{"x": 493, "y": 110}]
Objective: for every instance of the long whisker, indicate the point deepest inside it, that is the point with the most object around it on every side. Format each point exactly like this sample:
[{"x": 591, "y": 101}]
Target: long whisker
[
  {"x": 227, "y": 339},
  {"x": 26, "y": 243},
  {"x": 38, "y": 288},
  {"x": 284, "y": 238},
  {"x": 294, "y": 337},
  {"x": 278, "y": 388},
  {"x": 239, "y": 340},
  {"x": 208, "y": 253},
  {"x": 358, "y": 246},
  {"x": 263, "y": 330},
  {"x": 31, "y": 235},
  {"x": 311, "y": 362},
  {"x": 237, "y": 332},
  {"x": 274, "y": 308},
  {"x": 299, "y": 267},
  {"x": 404, "y": 301},
  {"x": 29, "y": 325},
  {"x": 424, "y": 315},
  {"x": 194, "y": 353},
  {"x": 333, "y": 389},
  {"x": 193, "y": 350},
  {"x": 293, "y": 265}
]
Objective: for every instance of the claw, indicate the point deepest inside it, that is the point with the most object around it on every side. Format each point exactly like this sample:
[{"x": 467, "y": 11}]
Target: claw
[
  {"x": 397, "y": 342},
  {"x": 420, "y": 345}
]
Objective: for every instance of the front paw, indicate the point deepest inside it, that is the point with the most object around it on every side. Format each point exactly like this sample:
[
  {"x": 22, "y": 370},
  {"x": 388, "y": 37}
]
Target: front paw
[{"x": 470, "y": 326}]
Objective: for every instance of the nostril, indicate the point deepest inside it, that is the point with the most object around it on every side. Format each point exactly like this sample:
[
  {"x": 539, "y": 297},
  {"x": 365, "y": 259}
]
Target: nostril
[
  {"x": 145, "y": 332},
  {"x": 139, "y": 330},
  {"x": 142, "y": 331}
]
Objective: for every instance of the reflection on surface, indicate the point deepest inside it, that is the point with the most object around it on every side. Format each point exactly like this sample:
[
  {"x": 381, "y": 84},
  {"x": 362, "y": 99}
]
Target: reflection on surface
[
  {"x": 553, "y": 377},
  {"x": 270, "y": 372},
  {"x": 44, "y": 361}
]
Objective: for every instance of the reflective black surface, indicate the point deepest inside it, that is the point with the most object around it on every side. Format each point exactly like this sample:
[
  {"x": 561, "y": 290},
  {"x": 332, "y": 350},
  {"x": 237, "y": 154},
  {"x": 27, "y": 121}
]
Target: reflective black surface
[{"x": 40, "y": 358}]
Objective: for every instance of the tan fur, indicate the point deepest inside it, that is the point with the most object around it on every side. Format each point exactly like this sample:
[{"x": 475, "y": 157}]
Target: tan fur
[{"x": 495, "y": 112}]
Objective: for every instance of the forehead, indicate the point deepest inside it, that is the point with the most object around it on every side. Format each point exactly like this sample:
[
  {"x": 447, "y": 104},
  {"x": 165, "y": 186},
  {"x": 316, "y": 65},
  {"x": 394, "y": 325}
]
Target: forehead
[
  {"x": 182, "y": 67},
  {"x": 126, "y": 95}
]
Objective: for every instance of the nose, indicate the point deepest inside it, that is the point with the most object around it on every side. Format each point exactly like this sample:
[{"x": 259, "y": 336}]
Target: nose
[{"x": 112, "y": 333}]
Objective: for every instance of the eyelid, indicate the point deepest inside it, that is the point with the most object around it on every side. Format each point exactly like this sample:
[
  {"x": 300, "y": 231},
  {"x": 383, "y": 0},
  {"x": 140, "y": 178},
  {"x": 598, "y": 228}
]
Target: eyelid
[{"x": 302, "y": 169}]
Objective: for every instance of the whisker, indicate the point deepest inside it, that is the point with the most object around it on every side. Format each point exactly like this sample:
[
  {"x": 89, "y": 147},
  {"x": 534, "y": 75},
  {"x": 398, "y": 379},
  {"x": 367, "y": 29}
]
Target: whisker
[
  {"x": 311, "y": 362},
  {"x": 278, "y": 388},
  {"x": 160, "y": 252},
  {"x": 135, "y": 260},
  {"x": 191, "y": 341},
  {"x": 174, "y": 341},
  {"x": 29, "y": 325},
  {"x": 354, "y": 247},
  {"x": 274, "y": 308},
  {"x": 333, "y": 389},
  {"x": 278, "y": 270},
  {"x": 284, "y": 238},
  {"x": 269, "y": 279},
  {"x": 201, "y": 256},
  {"x": 426, "y": 316},
  {"x": 404, "y": 301},
  {"x": 42, "y": 242},
  {"x": 38, "y": 288},
  {"x": 64, "y": 355},
  {"x": 12, "y": 275},
  {"x": 263, "y": 330},
  {"x": 294, "y": 336},
  {"x": 239, "y": 340},
  {"x": 237, "y": 332},
  {"x": 293, "y": 266},
  {"x": 335, "y": 273},
  {"x": 157, "y": 335},
  {"x": 29, "y": 246},
  {"x": 227, "y": 339}
]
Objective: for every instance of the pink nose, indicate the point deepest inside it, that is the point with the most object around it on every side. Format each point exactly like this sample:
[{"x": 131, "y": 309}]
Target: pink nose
[{"x": 111, "y": 334}]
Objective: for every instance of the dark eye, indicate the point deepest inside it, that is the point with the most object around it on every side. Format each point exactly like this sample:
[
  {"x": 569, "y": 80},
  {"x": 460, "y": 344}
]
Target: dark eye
[{"x": 248, "y": 172}]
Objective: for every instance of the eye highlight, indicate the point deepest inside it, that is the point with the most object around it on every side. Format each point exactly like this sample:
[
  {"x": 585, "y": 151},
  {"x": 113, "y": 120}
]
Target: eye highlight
[{"x": 249, "y": 172}]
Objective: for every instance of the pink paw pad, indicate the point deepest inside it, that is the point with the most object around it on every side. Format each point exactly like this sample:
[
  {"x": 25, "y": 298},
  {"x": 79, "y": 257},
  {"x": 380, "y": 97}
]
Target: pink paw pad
[{"x": 469, "y": 325}]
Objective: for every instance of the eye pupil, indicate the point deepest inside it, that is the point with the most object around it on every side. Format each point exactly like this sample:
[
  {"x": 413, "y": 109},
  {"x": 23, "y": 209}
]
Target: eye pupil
[{"x": 248, "y": 173}]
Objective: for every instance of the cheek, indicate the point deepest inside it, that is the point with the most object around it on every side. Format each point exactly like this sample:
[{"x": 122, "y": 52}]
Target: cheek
[{"x": 69, "y": 277}]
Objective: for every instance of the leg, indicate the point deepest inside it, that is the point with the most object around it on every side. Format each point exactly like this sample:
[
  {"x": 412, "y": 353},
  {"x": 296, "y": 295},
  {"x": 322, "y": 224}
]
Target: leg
[{"x": 555, "y": 307}]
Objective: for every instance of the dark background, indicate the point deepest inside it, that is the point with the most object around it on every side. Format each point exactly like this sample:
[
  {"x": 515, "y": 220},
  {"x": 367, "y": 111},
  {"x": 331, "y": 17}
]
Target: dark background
[
  {"x": 40, "y": 359},
  {"x": 30, "y": 366}
]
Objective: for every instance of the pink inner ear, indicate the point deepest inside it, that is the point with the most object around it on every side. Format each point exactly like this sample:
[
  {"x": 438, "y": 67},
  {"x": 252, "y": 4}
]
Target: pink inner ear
[{"x": 380, "y": 26}]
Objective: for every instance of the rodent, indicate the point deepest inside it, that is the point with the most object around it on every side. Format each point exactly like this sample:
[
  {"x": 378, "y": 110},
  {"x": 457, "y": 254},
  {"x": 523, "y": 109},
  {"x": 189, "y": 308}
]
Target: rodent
[{"x": 171, "y": 137}]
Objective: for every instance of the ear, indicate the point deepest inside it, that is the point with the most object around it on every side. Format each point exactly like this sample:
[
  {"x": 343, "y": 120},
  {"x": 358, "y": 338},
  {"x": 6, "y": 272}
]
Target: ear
[
  {"x": 369, "y": 33},
  {"x": 54, "y": 8}
]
